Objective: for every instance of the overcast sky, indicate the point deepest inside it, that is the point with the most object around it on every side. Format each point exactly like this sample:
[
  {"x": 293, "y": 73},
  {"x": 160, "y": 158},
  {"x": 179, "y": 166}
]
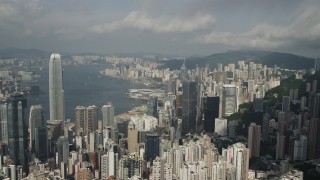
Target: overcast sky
[{"x": 179, "y": 27}]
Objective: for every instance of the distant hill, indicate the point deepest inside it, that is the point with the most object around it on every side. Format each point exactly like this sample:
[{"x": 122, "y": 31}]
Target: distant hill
[
  {"x": 23, "y": 53},
  {"x": 284, "y": 60}
]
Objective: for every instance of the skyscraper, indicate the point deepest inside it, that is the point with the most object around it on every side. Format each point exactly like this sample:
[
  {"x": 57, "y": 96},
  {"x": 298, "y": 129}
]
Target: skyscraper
[
  {"x": 285, "y": 103},
  {"x": 189, "y": 107},
  {"x": 107, "y": 115},
  {"x": 254, "y": 133},
  {"x": 91, "y": 118},
  {"x": 63, "y": 149},
  {"x": 211, "y": 112},
  {"x": 231, "y": 101},
  {"x": 36, "y": 120},
  {"x": 86, "y": 119},
  {"x": 152, "y": 147},
  {"x": 80, "y": 112},
  {"x": 132, "y": 137},
  {"x": 56, "y": 94},
  {"x": 17, "y": 129},
  {"x": 130, "y": 165},
  {"x": 317, "y": 64}
]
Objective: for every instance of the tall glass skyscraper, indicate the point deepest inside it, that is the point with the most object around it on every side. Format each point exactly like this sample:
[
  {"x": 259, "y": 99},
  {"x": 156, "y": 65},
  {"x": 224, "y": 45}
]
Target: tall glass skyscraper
[
  {"x": 17, "y": 127},
  {"x": 56, "y": 94},
  {"x": 189, "y": 107},
  {"x": 107, "y": 115}
]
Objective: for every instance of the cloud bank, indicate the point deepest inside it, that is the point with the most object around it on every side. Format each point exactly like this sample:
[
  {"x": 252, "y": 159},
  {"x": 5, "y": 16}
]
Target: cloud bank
[{"x": 163, "y": 24}]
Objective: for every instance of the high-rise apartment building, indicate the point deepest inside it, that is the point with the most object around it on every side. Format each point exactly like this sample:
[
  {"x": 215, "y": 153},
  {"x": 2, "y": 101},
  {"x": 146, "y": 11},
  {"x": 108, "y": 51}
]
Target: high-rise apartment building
[
  {"x": 254, "y": 133},
  {"x": 130, "y": 165},
  {"x": 56, "y": 92},
  {"x": 280, "y": 146},
  {"x": 91, "y": 119},
  {"x": 86, "y": 119},
  {"x": 107, "y": 115}
]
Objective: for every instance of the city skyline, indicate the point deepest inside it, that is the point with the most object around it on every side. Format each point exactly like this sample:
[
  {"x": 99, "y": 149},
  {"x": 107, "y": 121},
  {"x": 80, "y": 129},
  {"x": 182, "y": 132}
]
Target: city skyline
[{"x": 175, "y": 28}]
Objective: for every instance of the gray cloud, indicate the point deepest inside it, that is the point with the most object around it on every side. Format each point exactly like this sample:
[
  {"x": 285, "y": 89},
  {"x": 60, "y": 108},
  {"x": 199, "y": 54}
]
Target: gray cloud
[
  {"x": 164, "y": 24},
  {"x": 304, "y": 30},
  {"x": 176, "y": 27}
]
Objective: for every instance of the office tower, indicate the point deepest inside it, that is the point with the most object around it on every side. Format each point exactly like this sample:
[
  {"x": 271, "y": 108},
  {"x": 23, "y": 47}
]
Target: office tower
[
  {"x": 86, "y": 119},
  {"x": 3, "y": 124},
  {"x": 36, "y": 120},
  {"x": 152, "y": 147},
  {"x": 254, "y": 133},
  {"x": 41, "y": 143},
  {"x": 221, "y": 127},
  {"x": 132, "y": 138},
  {"x": 183, "y": 72},
  {"x": 179, "y": 105},
  {"x": 265, "y": 127},
  {"x": 314, "y": 105},
  {"x": 232, "y": 129},
  {"x": 63, "y": 149},
  {"x": 317, "y": 64},
  {"x": 170, "y": 87},
  {"x": 153, "y": 106},
  {"x": 222, "y": 101},
  {"x": 54, "y": 133},
  {"x": 17, "y": 129},
  {"x": 280, "y": 146},
  {"x": 285, "y": 103},
  {"x": 211, "y": 112},
  {"x": 56, "y": 93},
  {"x": 251, "y": 69},
  {"x": 313, "y": 139},
  {"x": 231, "y": 104},
  {"x": 107, "y": 115},
  {"x": 189, "y": 107},
  {"x": 130, "y": 165}
]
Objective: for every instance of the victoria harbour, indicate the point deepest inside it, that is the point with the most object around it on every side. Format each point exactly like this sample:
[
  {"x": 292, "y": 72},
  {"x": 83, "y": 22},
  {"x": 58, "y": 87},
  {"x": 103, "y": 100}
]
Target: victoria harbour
[{"x": 84, "y": 86}]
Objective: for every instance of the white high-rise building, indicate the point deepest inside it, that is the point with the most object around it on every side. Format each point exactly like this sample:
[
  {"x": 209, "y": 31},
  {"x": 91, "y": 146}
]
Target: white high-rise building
[
  {"x": 107, "y": 115},
  {"x": 56, "y": 94},
  {"x": 35, "y": 121},
  {"x": 231, "y": 101},
  {"x": 221, "y": 126}
]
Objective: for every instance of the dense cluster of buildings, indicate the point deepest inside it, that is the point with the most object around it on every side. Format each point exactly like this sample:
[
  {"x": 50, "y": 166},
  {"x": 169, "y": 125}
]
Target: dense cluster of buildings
[{"x": 181, "y": 137}]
